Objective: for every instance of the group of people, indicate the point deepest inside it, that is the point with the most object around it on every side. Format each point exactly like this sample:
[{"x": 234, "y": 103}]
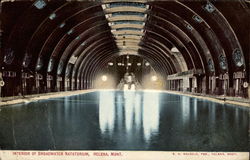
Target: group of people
[{"x": 129, "y": 82}]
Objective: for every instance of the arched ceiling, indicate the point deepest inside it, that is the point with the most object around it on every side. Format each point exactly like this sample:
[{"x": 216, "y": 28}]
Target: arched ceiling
[{"x": 75, "y": 39}]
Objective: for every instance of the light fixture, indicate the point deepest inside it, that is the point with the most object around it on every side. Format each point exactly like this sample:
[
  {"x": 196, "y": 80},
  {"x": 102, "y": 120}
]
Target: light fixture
[
  {"x": 138, "y": 64},
  {"x": 154, "y": 78},
  {"x": 104, "y": 6},
  {"x": 147, "y": 64},
  {"x": 104, "y": 78},
  {"x": 129, "y": 64},
  {"x": 111, "y": 23},
  {"x": 110, "y": 64}
]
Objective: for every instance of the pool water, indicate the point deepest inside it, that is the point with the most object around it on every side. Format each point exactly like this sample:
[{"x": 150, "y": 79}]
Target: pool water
[{"x": 117, "y": 120}]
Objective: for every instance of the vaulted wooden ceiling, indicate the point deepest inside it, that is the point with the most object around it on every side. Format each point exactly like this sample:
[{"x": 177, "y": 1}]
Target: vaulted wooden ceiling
[{"x": 75, "y": 39}]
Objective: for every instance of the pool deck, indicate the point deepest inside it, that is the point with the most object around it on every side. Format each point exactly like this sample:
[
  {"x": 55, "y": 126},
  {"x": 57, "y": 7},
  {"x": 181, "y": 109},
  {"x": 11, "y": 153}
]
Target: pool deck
[
  {"x": 29, "y": 98},
  {"x": 35, "y": 97},
  {"x": 216, "y": 98}
]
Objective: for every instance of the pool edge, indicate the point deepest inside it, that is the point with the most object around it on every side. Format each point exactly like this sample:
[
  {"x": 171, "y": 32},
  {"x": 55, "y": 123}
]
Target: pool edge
[{"x": 32, "y": 98}]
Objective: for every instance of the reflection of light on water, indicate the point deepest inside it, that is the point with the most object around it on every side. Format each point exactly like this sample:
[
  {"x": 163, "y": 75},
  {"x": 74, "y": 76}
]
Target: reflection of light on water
[
  {"x": 195, "y": 109},
  {"x": 119, "y": 98},
  {"x": 212, "y": 113},
  {"x": 106, "y": 111},
  {"x": 129, "y": 98},
  {"x": 138, "y": 111},
  {"x": 119, "y": 110},
  {"x": 66, "y": 108},
  {"x": 236, "y": 114},
  {"x": 185, "y": 101},
  {"x": 150, "y": 113},
  {"x": 130, "y": 111}
]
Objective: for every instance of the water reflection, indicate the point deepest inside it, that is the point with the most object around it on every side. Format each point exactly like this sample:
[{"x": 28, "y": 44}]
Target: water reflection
[
  {"x": 133, "y": 112},
  {"x": 150, "y": 114},
  {"x": 106, "y": 111},
  {"x": 185, "y": 108},
  {"x": 212, "y": 114},
  {"x": 195, "y": 109}
]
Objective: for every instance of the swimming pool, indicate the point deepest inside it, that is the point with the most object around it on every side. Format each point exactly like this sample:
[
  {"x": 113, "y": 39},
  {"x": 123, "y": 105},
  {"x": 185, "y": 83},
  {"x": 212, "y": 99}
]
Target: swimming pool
[{"x": 117, "y": 120}]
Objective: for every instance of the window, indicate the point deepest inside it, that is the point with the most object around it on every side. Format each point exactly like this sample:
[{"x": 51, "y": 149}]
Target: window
[
  {"x": 127, "y": 4},
  {"x": 197, "y": 18},
  {"x": 223, "y": 62},
  {"x": 210, "y": 65},
  {"x": 52, "y": 16},
  {"x": 238, "y": 59},
  {"x": 133, "y": 29},
  {"x": 40, "y": 4},
  {"x": 128, "y": 22},
  {"x": 128, "y": 14},
  {"x": 209, "y": 7}
]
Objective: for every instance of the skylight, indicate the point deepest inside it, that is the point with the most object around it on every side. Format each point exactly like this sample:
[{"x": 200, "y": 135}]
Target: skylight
[
  {"x": 128, "y": 4},
  {"x": 78, "y": 37},
  {"x": 70, "y": 32},
  {"x": 126, "y": 19},
  {"x": 128, "y": 14},
  {"x": 209, "y": 7},
  {"x": 62, "y": 25},
  {"x": 52, "y": 16},
  {"x": 128, "y": 22},
  {"x": 123, "y": 29},
  {"x": 40, "y": 4},
  {"x": 197, "y": 18},
  {"x": 125, "y": 35}
]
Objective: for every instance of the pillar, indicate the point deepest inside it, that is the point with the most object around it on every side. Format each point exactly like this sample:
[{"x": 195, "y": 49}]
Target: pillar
[
  {"x": 49, "y": 83},
  {"x": 204, "y": 84},
  {"x": 186, "y": 84},
  {"x": 194, "y": 85}
]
